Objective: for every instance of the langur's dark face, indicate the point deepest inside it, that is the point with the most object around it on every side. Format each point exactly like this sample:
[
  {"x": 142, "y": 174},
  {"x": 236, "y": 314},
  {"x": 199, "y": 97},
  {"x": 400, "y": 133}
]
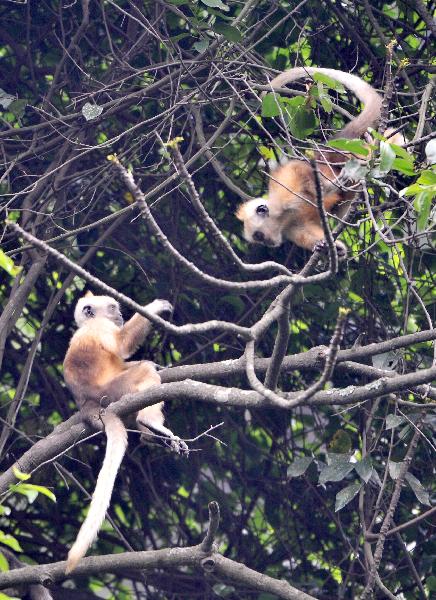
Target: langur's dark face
[{"x": 94, "y": 307}]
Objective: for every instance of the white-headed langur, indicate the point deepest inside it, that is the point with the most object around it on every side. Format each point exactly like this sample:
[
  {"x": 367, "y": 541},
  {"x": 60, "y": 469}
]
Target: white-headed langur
[{"x": 97, "y": 373}]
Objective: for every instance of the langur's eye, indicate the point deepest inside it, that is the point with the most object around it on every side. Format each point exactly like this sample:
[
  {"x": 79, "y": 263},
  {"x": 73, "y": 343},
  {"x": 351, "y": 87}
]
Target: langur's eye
[
  {"x": 88, "y": 310},
  {"x": 262, "y": 210},
  {"x": 113, "y": 306}
]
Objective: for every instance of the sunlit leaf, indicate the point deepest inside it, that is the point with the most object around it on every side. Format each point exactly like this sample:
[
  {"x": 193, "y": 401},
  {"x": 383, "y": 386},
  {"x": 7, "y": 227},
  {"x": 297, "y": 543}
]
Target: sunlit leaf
[
  {"x": 31, "y": 491},
  {"x": 216, "y": 4},
  {"x": 6, "y": 597},
  {"x": 421, "y": 494},
  {"x": 270, "y": 105},
  {"x": 91, "y": 111},
  {"x": 393, "y": 421},
  {"x": 337, "y": 470},
  {"x": 354, "y": 146},
  {"x": 5, "y": 99},
  {"x": 4, "y": 565},
  {"x": 394, "y": 469},
  {"x": 201, "y": 45},
  {"x": 299, "y": 117},
  {"x": 20, "y": 475},
  {"x": 387, "y": 157},
  {"x": 7, "y": 264},
  {"x": 346, "y": 495},
  {"x": 364, "y": 468},
  {"x": 387, "y": 361},
  {"x": 329, "y": 82},
  {"x": 9, "y": 540},
  {"x": 403, "y": 166},
  {"x": 355, "y": 170},
  {"x": 423, "y": 204},
  {"x": 299, "y": 466}
]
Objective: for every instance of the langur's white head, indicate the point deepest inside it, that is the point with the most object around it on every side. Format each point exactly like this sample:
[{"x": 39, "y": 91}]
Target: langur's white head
[
  {"x": 91, "y": 307},
  {"x": 263, "y": 222}
]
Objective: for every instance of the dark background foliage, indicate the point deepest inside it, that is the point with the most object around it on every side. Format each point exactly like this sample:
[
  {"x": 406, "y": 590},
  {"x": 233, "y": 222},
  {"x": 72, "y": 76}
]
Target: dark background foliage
[{"x": 157, "y": 70}]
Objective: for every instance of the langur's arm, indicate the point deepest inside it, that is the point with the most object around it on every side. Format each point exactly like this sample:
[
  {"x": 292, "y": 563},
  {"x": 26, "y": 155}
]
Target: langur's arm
[{"x": 134, "y": 332}]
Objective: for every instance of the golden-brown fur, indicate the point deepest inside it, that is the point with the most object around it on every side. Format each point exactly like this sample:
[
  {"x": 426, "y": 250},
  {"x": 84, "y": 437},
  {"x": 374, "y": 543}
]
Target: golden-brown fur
[
  {"x": 97, "y": 374},
  {"x": 290, "y": 210}
]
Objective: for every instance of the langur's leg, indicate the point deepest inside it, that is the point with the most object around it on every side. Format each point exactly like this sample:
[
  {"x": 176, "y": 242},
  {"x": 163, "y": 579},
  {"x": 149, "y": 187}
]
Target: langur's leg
[
  {"x": 311, "y": 237},
  {"x": 308, "y": 235},
  {"x": 150, "y": 420},
  {"x": 137, "y": 378}
]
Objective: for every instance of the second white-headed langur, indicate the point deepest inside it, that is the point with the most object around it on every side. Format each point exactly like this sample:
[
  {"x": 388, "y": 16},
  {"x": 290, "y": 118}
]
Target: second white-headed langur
[
  {"x": 290, "y": 211},
  {"x": 96, "y": 372}
]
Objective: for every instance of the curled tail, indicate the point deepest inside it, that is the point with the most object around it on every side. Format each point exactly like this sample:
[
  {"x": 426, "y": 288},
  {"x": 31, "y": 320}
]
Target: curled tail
[
  {"x": 115, "y": 449},
  {"x": 365, "y": 93}
]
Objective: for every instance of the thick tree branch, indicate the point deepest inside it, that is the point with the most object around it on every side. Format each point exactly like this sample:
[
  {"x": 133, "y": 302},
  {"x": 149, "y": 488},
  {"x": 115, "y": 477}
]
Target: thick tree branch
[{"x": 200, "y": 556}]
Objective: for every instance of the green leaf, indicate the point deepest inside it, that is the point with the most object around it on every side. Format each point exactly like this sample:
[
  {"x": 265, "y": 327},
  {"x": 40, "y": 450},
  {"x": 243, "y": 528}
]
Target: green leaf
[
  {"x": 270, "y": 105},
  {"x": 387, "y": 361},
  {"x": 5, "y": 99},
  {"x": 354, "y": 146},
  {"x": 9, "y": 540},
  {"x": 230, "y": 33},
  {"x": 423, "y": 205},
  {"x": 337, "y": 470},
  {"x": 6, "y": 597},
  {"x": 266, "y": 153},
  {"x": 299, "y": 117},
  {"x": 427, "y": 178},
  {"x": 216, "y": 4},
  {"x": 31, "y": 491},
  {"x": 201, "y": 45},
  {"x": 387, "y": 157},
  {"x": 299, "y": 466},
  {"x": 323, "y": 96},
  {"x": 8, "y": 265},
  {"x": 364, "y": 468},
  {"x": 431, "y": 583},
  {"x": 181, "y": 36},
  {"x": 20, "y": 475},
  {"x": 326, "y": 103},
  {"x": 329, "y": 82},
  {"x": 340, "y": 444},
  {"x": 421, "y": 494},
  {"x": 393, "y": 421},
  {"x": 402, "y": 153},
  {"x": 17, "y": 107},
  {"x": 346, "y": 495},
  {"x": 403, "y": 166},
  {"x": 355, "y": 170},
  {"x": 222, "y": 590},
  {"x": 4, "y": 565}
]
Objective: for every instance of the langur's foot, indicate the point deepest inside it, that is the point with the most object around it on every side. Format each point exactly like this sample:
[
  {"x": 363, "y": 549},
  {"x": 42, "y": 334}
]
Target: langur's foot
[
  {"x": 179, "y": 446},
  {"x": 322, "y": 247}
]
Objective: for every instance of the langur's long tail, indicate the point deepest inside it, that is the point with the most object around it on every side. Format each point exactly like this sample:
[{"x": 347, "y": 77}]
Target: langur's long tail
[
  {"x": 115, "y": 449},
  {"x": 365, "y": 93}
]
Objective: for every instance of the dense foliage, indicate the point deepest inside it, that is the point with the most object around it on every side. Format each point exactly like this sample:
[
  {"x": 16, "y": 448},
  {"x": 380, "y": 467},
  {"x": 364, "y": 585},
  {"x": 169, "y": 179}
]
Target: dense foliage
[{"x": 84, "y": 80}]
